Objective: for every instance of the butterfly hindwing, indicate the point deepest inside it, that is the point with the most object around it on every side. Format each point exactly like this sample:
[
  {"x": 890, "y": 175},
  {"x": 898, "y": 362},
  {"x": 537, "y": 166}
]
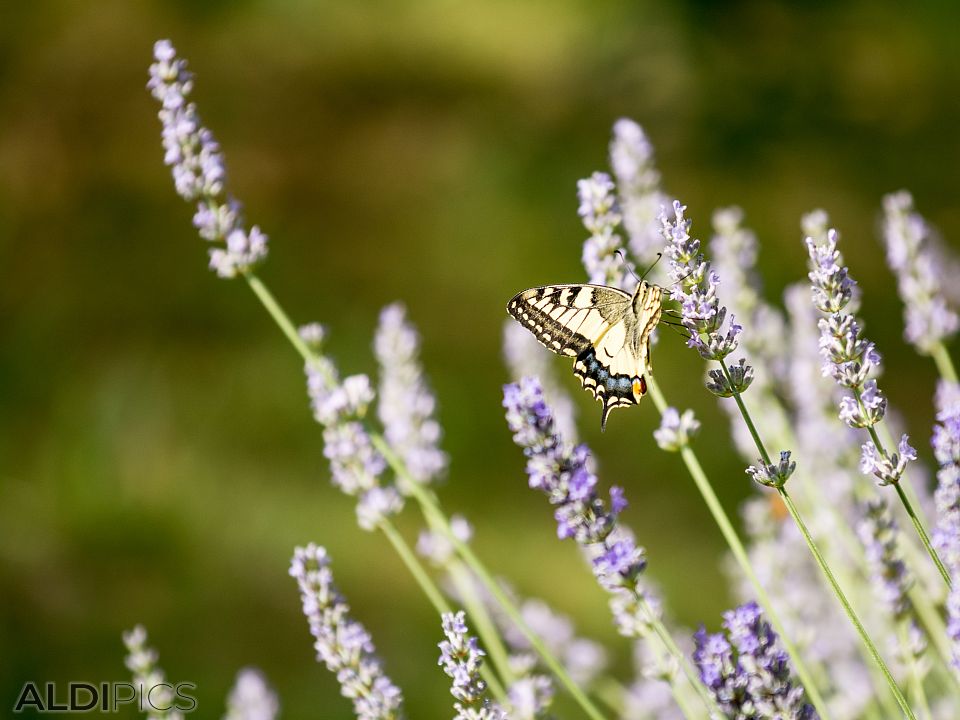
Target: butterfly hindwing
[{"x": 604, "y": 328}]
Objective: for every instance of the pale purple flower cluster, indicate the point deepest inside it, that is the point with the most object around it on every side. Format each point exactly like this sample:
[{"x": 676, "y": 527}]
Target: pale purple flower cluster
[
  {"x": 849, "y": 358},
  {"x": 199, "y": 173},
  {"x": 562, "y": 472},
  {"x": 461, "y": 658},
  {"x": 356, "y": 466},
  {"x": 526, "y": 357},
  {"x": 406, "y": 405},
  {"x": 928, "y": 319},
  {"x": 695, "y": 288},
  {"x": 888, "y": 573},
  {"x": 676, "y": 430},
  {"x": 251, "y": 698},
  {"x": 342, "y": 643},
  {"x": 437, "y": 547},
  {"x": 747, "y": 671},
  {"x": 638, "y": 183},
  {"x": 887, "y": 468},
  {"x": 530, "y": 697},
  {"x": 946, "y": 448},
  {"x": 601, "y": 216},
  {"x": 154, "y": 692}
]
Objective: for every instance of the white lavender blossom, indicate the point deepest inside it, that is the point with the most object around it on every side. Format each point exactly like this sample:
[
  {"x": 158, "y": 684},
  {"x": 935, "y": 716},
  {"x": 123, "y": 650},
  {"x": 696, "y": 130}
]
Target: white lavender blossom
[
  {"x": 342, "y": 643},
  {"x": 461, "y": 658},
  {"x": 154, "y": 694},
  {"x": 530, "y": 697},
  {"x": 927, "y": 318},
  {"x": 199, "y": 173},
  {"x": 406, "y": 405},
  {"x": 676, "y": 430},
  {"x": 638, "y": 183},
  {"x": 888, "y": 469},
  {"x": 251, "y": 698},
  {"x": 602, "y": 251}
]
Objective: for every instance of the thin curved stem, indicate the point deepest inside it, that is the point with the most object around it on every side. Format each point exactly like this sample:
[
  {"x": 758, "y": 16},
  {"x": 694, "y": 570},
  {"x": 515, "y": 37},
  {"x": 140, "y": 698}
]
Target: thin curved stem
[
  {"x": 479, "y": 569},
  {"x": 944, "y": 363},
  {"x": 739, "y": 552},
  {"x": 848, "y": 609},
  {"x": 434, "y": 595}
]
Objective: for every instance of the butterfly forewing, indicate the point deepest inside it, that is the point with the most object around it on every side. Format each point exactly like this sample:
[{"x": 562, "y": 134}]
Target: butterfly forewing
[
  {"x": 567, "y": 319},
  {"x": 604, "y": 328}
]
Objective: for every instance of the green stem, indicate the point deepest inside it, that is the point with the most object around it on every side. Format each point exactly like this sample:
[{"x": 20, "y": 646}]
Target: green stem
[
  {"x": 908, "y": 506},
  {"x": 944, "y": 364},
  {"x": 433, "y": 594},
  {"x": 480, "y": 570},
  {"x": 743, "y": 560},
  {"x": 848, "y": 609},
  {"x": 745, "y": 414},
  {"x": 916, "y": 679},
  {"x": 279, "y": 316},
  {"x": 671, "y": 647}
]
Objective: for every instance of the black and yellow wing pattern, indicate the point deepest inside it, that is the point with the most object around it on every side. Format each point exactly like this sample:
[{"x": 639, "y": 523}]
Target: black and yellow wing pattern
[{"x": 605, "y": 329}]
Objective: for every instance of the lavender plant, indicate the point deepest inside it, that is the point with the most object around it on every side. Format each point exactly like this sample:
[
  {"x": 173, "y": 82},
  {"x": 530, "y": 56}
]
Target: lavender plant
[{"x": 744, "y": 672}]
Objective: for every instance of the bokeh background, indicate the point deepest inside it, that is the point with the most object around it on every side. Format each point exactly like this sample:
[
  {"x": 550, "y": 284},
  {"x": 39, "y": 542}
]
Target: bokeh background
[{"x": 158, "y": 458}]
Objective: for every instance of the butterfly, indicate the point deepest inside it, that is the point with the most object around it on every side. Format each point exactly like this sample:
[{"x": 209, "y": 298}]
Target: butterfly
[{"x": 606, "y": 329}]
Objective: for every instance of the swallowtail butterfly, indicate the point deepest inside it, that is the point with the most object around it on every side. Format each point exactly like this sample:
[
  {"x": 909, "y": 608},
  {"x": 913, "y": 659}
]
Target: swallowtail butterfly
[{"x": 606, "y": 329}]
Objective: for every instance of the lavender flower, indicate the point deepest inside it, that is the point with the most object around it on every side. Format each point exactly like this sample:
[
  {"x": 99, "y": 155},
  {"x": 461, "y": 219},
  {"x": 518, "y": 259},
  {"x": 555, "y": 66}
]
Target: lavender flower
[
  {"x": 526, "y": 357},
  {"x": 850, "y": 358},
  {"x": 695, "y": 288},
  {"x": 638, "y": 182},
  {"x": 530, "y": 697},
  {"x": 199, "y": 173},
  {"x": 356, "y": 466},
  {"x": 343, "y": 644},
  {"x": 461, "y": 658},
  {"x": 600, "y": 214},
  {"x": 746, "y": 670},
  {"x": 406, "y": 404},
  {"x": 437, "y": 547},
  {"x": 888, "y": 573},
  {"x": 562, "y": 472},
  {"x": 928, "y": 320},
  {"x": 251, "y": 698},
  {"x": 676, "y": 430},
  {"x": 946, "y": 448},
  {"x": 155, "y": 694}
]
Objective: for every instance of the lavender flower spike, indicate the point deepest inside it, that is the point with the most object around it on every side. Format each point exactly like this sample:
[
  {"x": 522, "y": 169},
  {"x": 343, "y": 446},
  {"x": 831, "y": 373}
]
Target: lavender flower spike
[
  {"x": 601, "y": 216},
  {"x": 676, "y": 430},
  {"x": 406, "y": 404},
  {"x": 342, "y": 643},
  {"x": 199, "y": 173},
  {"x": 638, "y": 182},
  {"x": 946, "y": 448},
  {"x": 849, "y": 358},
  {"x": 928, "y": 320},
  {"x": 251, "y": 698},
  {"x": 747, "y": 671},
  {"x": 461, "y": 658},
  {"x": 695, "y": 288},
  {"x": 356, "y": 466},
  {"x": 154, "y": 693}
]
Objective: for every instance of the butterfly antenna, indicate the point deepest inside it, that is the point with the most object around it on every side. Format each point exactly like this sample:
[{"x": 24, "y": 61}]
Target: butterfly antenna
[
  {"x": 652, "y": 266},
  {"x": 628, "y": 266}
]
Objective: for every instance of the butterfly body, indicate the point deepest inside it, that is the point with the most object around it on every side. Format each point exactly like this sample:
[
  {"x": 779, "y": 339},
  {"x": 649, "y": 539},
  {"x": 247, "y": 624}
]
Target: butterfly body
[{"x": 605, "y": 329}]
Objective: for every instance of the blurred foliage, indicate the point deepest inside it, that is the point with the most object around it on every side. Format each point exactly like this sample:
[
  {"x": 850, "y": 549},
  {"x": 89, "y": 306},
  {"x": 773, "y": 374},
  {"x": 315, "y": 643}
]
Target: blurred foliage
[{"x": 159, "y": 460}]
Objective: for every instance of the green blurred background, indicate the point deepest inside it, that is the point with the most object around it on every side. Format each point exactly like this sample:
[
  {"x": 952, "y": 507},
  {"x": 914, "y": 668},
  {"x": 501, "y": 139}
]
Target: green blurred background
[{"x": 159, "y": 461}]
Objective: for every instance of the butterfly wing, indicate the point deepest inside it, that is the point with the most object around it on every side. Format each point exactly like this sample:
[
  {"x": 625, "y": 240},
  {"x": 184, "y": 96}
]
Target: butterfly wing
[{"x": 599, "y": 327}]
